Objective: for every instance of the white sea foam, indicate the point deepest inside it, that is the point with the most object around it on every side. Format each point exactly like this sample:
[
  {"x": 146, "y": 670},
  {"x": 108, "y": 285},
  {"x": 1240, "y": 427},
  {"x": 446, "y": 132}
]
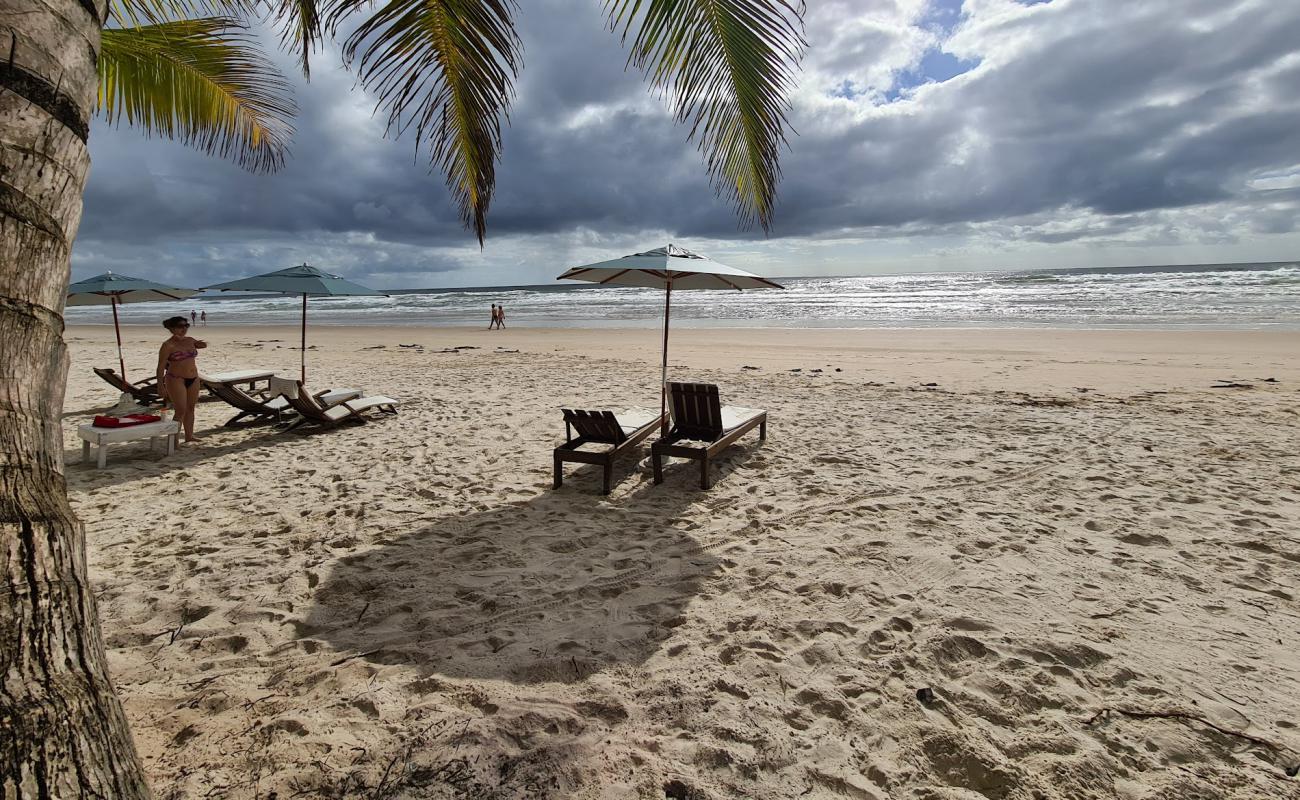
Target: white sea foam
[{"x": 1207, "y": 296}]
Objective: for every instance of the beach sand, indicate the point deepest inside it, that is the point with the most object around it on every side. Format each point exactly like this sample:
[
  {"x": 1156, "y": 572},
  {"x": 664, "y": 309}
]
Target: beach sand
[{"x": 1097, "y": 587}]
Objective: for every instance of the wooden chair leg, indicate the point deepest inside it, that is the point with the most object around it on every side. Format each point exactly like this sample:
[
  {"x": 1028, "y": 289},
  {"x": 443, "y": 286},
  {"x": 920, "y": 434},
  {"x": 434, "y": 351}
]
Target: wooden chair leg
[
  {"x": 609, "y": 474},
  {"x": 704, "y": 473},
  {"x": 559, "y": 472},
  {"x": 657, "y": 460},
  {"x": 762, "y": 431}
]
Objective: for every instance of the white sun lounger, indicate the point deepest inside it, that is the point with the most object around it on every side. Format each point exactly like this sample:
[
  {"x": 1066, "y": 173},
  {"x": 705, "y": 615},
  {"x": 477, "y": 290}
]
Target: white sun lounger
[
  {"x": 312, "y": 410},
  {"x": 260, "y": 406}
]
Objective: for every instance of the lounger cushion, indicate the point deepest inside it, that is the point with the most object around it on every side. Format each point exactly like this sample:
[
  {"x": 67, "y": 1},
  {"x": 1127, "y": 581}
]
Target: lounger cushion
[
  {"x": 633, "y": 419},
  {"x": 331, "y": 398},
  {"x": 735, "y": 416},
  {"x": 349, "y": 407},
  {"x": 338, "y": 412},
  {"x": 335, "y": 396},
  {"x": 238, "y": 376},
  {"x": 362, "y": 403}
]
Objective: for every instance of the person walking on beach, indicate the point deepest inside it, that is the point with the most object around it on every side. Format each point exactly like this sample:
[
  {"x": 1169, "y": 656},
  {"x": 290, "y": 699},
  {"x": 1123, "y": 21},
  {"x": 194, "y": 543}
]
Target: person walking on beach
[
  {"x": 203, "y": 318},
  {"x": 501, "y": 317},
  {"x": 193, "y": 317},
  {"x": 493, "y": 323},
  {"x": 178, "y": 372}
]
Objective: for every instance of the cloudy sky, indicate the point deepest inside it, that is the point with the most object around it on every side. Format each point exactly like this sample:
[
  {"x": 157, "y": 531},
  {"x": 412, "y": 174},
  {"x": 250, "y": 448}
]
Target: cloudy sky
[{"x": 932, "y": 135}]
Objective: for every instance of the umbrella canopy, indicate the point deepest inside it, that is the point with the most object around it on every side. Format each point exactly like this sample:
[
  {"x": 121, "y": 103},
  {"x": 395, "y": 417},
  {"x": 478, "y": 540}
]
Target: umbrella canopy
[
  {"x": 668, "y": 268},
  {"x": 305, "y": 280},
  {"x": 110, "y": 289},
  {"x": 302, "y": 279}
]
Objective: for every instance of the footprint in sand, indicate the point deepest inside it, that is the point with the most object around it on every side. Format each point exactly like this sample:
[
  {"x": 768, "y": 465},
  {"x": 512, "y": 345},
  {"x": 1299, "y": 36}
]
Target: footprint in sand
[{"x": 892, "y": 636}]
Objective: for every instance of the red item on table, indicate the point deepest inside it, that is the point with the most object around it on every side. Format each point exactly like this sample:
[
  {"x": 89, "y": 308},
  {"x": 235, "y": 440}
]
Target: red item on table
[{"x": 126, "y": 421}]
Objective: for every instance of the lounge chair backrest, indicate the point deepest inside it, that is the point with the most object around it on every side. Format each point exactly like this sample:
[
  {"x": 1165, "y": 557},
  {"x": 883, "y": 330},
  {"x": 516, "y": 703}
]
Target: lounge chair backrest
[
  {"x": 117, "y": 381},
  {"x": 595, "y": 426},
  {"x": 142, "y": 391},
  {"x": 283, "y": 386},
  {"x": 298, "y": 398},
  {"x": 234, "y": 396},
  {"x": 697, "y": 411}
]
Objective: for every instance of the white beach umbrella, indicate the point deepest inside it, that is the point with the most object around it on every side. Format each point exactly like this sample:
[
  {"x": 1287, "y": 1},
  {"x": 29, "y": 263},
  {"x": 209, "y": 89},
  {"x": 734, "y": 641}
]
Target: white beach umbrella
[{"x": 668, "y": 268}]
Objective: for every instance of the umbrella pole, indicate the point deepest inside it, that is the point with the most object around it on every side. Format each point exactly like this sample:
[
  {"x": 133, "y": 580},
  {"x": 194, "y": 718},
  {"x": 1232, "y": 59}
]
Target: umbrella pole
[
  {"x": 663, "y": 378},
  {"x": 116, "y": 329},
  {"x": 304, "y": 339}
]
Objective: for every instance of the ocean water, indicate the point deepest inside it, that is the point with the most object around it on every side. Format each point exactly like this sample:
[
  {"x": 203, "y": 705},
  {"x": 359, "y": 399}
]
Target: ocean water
[{"x": 1213, "y": 296}]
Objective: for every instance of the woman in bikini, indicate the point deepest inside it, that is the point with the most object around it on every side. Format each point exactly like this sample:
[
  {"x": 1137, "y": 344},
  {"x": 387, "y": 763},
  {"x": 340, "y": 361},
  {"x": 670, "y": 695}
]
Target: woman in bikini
[{"x": 178, "y": 372}]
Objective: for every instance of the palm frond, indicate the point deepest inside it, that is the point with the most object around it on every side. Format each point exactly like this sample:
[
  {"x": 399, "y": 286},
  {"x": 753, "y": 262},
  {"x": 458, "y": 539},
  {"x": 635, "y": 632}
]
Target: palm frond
[
  {"x": 728, "y": 66},
  {"x": 301, "y": 26},
  {"x": 132, "y": 13},
  {"x": 203, "y": 82},
  {"x": 445, "y": 68}
]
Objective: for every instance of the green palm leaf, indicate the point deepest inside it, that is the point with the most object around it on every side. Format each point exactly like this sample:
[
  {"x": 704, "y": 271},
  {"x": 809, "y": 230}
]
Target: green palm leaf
[
  {"x": 302, "y": 28},
  {"x": 445, "y": 68},
  {"x": 202, "y": 82},
  {"x": 300, "y": 20},
  {"x": 728, "y": 66},
  {"x": 150, "y": 12}
]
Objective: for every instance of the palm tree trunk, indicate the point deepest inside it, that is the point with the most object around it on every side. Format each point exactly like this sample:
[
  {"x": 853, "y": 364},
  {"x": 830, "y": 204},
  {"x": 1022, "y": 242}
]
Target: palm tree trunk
[{"x": 62, "y": 729}]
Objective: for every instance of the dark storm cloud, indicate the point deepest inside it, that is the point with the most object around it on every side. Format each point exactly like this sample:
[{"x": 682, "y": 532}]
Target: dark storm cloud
[
  {"x": 625, "y": 165},
  {"x": 1114, "y": 114}
]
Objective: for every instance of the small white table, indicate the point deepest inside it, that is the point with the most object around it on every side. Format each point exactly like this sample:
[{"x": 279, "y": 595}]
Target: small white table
[{"x": 103, "y": 437}]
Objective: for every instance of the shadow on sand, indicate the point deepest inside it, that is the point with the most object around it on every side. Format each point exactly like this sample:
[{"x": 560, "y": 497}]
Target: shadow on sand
[
  {"x": 553, "y": 588},
  {"x": 133, "y": 461}
]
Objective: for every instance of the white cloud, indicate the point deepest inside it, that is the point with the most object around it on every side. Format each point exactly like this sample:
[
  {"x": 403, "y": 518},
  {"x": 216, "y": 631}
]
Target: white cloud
[{"x": 1084, "y": 132}]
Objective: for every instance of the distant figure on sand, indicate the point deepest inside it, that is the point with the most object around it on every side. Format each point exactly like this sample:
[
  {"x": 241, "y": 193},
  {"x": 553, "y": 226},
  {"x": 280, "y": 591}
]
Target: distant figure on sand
[
  {"x": 193, "y": 317},
  {"x": 203, "y": 318},
  {"x": 501, "y": 317},
  {"x": 493, "y": 323},
  {"x": 178, "y": 372}
]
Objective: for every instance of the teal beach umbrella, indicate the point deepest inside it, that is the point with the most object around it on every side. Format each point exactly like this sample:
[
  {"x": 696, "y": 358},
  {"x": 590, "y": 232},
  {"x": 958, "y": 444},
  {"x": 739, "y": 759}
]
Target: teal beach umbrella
[
  {"x": 303, "y": 279},
  {"x": 110, "y": 289}
]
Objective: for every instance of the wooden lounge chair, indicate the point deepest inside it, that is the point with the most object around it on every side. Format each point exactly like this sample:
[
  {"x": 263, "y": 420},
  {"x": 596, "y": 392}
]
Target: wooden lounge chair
[
  {"x": 312, "y": 411},
  {"x": 248, "y": 378},
  {"x": 145, "y": 392},
  {"x": 261, "y": 406},
  {"x": 699, "y": 416},
  {"x": 622, "y": 431}
]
